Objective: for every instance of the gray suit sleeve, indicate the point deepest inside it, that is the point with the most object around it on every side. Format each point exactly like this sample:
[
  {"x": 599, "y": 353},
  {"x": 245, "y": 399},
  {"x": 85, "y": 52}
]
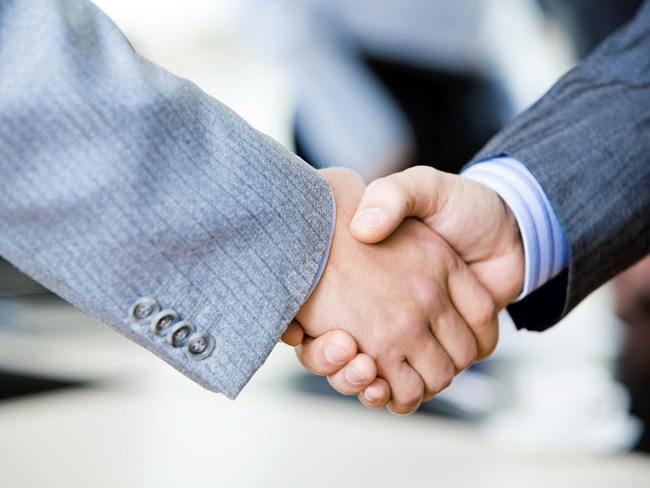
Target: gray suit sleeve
[
  {"x": 587, "y": 141},
  {"x": 119, "y": 181}
]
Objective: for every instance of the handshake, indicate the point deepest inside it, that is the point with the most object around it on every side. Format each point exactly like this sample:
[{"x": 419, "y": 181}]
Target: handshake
[{"x": 420, "y": 264}]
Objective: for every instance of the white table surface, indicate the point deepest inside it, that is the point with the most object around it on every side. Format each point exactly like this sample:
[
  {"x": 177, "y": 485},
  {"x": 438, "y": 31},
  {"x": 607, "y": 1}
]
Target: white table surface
[{"x": 143, "y": 424}]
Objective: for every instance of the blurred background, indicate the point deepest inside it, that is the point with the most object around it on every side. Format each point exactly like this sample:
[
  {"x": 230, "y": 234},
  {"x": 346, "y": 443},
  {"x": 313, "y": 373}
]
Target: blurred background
[{"x": 377, "y": 85}]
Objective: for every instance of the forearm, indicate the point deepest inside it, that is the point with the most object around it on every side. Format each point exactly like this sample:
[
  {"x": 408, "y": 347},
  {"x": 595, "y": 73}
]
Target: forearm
[
  {"x": 587, "y": 143},
  {"x": 119, "y": 180}
]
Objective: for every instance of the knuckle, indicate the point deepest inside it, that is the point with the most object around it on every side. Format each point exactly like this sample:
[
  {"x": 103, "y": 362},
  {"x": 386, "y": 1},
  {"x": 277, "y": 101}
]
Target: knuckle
[
  {"x": 408, "y": 402},
  {"x": 468, "y": 356},
  {"x": 443, "y": 380},
  {"x": 381, "y": 344},
  {"x": 411, "y": 327},
  {"x": 436, "y": 297},
  {"x": 487, "y": 329},
  {"x": 445, "y": 258},
  {"x": 489, "y": 347},
  {"x": 440, "y": 385},
  {"x": 380, "y": 185},
  {"x": 421, "y": 172},
  {"x": 389, "y": 363},
  {"x": 425, "y": 175},
  {"x": 444, "y": 261},
  {"x": 487, "y": 314},
  {"x": 387, "y": 187},
  {"x": 343, "y": 341},
  {"x": 430, "y": 295}
]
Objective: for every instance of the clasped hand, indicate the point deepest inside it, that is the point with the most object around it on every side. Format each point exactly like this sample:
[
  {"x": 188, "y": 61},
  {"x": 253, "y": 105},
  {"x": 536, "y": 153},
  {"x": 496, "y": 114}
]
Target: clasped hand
[{"x": 420, "y": 264}]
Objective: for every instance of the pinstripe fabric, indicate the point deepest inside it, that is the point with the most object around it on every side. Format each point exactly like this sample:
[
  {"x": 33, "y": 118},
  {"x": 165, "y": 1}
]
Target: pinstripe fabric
[
  {"x": 587, "y": 142},
  {"x": 119, "y": 180}
]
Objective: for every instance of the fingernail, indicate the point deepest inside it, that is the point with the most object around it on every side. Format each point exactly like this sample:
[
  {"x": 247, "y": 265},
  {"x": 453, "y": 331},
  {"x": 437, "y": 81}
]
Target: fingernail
[
  {"x": 369, "y": 217},
  {"x": 397, "y": 414},
  {"x": 335, "y": 354},
  {"x": 371, "y": 394},
  {"x": 354, "y": 376}
]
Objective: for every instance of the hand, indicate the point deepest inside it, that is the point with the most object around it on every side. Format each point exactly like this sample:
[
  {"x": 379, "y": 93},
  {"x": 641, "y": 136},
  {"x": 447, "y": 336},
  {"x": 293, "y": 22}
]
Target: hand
[
  {"x": 410, "y": 302},
  {"x": 332, "y": 355},
  {"x": 472, "y": 218}
]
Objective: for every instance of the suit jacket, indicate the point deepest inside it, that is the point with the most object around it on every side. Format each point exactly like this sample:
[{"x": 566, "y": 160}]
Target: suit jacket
[
  {"x": 587, "y": 141},
  {"x": 144, "y": 202}
]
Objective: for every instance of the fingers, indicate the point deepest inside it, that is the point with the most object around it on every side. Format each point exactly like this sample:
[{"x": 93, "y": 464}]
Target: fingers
[
  {"x": 455, "y": 337},
  {"x": 376, "y": 394},
  {"x": 477, "y": 309},
  {"x": 294, "y": 334},
  {"x": 434, "y": 365},
  {"x": 354, "y": 376},
  {"x": 335, "y": 354},
  {"x": 407, "y": 388},
  {"x": 328, "y": 353},
  {"x": 386, "y": 202}
]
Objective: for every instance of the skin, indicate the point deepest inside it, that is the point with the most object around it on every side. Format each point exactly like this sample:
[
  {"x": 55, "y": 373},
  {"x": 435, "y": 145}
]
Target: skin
[
  {"x": 412, "y": 305},
  {"x": 470, "y": 217}
]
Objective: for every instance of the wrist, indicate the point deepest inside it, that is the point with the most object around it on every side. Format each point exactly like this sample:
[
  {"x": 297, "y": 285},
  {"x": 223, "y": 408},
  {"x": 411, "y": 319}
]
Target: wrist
[
  {"x": 514, "y": 247},
  {"x": 347, "y": 187},
  {"x": 543, "y": 241}
]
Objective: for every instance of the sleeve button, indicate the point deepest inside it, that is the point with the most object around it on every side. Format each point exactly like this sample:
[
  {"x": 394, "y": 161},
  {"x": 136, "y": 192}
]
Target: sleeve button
[
  {"x": 142, "y": 310},
  {"x": 180, "y": 333},
  {"x": 199, "y": 346},
  {"x": 161, "y": 323}
]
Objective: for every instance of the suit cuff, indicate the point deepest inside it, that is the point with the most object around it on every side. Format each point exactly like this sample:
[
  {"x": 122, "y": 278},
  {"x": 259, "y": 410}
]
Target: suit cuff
[
  {"x": 545, "y": 245},
  {"x": 326, "y": 254}
]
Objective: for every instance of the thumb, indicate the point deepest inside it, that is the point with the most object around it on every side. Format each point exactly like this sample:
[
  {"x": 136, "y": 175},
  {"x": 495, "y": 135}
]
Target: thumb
[{"x": 414, "y": 192}]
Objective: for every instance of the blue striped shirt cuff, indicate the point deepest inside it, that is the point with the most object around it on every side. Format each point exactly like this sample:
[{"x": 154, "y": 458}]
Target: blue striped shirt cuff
[{"x": 546, "y": 248}]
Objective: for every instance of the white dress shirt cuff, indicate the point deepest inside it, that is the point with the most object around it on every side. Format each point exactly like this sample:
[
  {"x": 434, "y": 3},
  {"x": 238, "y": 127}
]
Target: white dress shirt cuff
[{"x": 545, "y": 245}]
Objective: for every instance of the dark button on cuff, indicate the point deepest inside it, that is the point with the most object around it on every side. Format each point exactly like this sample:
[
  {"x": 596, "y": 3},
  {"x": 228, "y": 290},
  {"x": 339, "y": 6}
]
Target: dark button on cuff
[
  {"x": 142, "y": 310},
  {"x": 199, "y": 346},
  {"x": 162, "y": 322},
  {"x": 180, "y": 333}
]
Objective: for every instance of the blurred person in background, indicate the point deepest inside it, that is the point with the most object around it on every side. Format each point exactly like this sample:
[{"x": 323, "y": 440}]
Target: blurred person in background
[{"x": 382, "y": 85}]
